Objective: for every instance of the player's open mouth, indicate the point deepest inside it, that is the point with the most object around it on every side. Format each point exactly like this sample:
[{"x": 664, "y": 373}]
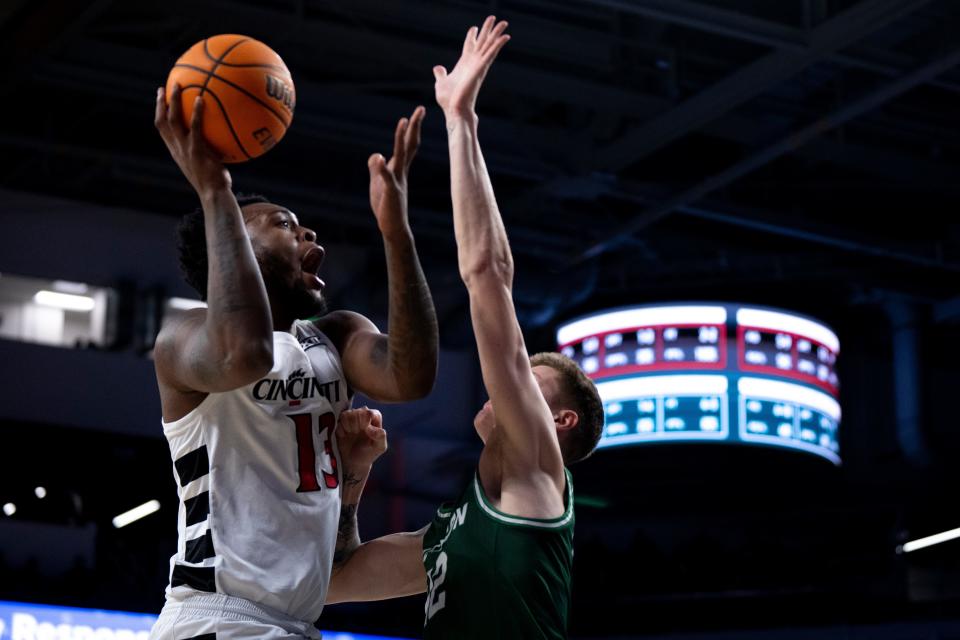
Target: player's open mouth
[{"x": 310, "y": 265}]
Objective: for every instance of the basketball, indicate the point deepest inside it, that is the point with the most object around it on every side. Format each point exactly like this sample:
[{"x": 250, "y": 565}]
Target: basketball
[{"x": 247, "y": 90}]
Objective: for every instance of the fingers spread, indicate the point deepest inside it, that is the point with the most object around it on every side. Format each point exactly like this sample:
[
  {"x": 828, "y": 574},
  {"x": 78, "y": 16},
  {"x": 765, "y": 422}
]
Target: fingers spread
[
  {"x": 160, "y": 113},
  {"x": 377, "y": 164},
  {"x": 399, "y": 152},
  {"x": 485, "y": 29},
  {"x": 197, "y": 120},
  {"x": 494, "y": 41},
  {"x": 491, "y": 53},
  {"x": 495, "y": 34},
  {"x": 175, "y": 110},
  {"x": 439, "y": 72},
  {"x": 412, "y": 136},
  {"x": 470, "y": 42}
]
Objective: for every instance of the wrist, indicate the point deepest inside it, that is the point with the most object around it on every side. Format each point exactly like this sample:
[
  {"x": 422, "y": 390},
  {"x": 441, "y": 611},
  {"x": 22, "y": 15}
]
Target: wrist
[
  {"x": 355, "y": 478},
  {"x": 214, "y": 194},
  {"x": 397, "y": 232},
  {"x": 460, "y": 116}
]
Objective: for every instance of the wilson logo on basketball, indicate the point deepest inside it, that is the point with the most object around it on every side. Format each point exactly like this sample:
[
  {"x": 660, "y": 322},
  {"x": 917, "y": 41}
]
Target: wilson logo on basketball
[
  {"x": 265, "y": 137},
  {"x": 278, "y": 90}
]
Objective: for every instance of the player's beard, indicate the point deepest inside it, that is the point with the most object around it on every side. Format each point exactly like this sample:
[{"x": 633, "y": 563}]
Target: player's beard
[{"x": 286, "y": 284}]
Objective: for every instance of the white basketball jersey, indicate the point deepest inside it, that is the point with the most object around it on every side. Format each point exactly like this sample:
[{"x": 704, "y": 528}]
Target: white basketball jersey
[{"x": 259, "y": 481}]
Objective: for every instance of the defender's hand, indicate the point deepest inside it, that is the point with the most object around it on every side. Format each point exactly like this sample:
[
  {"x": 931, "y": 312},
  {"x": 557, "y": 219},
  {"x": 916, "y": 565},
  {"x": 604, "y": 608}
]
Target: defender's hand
[
  {"x": 192, "y": 153},
  {"x": 457, "y": 91},
  {"x": 361, "y": 439},
  {"x": 388, "y": 178}
]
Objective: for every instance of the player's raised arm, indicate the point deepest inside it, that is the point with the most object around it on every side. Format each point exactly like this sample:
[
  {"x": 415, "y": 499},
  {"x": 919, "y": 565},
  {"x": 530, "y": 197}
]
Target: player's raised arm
[
  {"x": 401, "y": 364},
  {"x": 230, "y": 343},
  {"x": 486, "y": 266},
  {"x": 387, "y": 567}
]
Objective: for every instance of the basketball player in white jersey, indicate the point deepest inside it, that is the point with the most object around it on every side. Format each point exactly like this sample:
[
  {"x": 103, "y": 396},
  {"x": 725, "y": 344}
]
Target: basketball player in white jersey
[{"x": 251, "y": 391}]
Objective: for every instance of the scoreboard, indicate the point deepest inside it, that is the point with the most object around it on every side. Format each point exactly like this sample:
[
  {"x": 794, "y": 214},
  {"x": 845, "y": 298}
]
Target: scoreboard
[{"x": 711, "y": 373}]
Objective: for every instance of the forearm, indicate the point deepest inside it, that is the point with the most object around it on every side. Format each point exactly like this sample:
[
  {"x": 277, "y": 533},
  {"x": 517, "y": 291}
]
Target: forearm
[
  {"x": 238, "y": 310},
  {"x": 482, "y": 245},
  {"x": 413, "y": 342},
  {"x": 387, "y": 567},
  {"x": 348, "y": 533}
]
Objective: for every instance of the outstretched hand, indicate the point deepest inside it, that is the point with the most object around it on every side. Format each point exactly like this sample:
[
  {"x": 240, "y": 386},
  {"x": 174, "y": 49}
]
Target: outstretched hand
[
  {"x": 457, "y": 91},
  {"x": 388, "y": 178},
  {"x": 361, "y": 439},
  {"x": 190, "y": 150}
]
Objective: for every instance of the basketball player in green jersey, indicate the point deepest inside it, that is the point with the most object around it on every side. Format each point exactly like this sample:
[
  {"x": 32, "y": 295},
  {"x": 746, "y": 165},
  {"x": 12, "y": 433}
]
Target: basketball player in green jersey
[{"x": 496, "y": 563}]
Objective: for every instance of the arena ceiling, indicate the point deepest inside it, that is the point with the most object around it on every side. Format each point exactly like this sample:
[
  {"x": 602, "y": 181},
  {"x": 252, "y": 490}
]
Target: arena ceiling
[
  {"x": 641, "y": 149},
  {"x": 801, "y": 153}
]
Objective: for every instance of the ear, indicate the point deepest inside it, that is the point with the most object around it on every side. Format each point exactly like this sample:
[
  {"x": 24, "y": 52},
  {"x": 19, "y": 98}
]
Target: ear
[{"x": 566, "y": 419}]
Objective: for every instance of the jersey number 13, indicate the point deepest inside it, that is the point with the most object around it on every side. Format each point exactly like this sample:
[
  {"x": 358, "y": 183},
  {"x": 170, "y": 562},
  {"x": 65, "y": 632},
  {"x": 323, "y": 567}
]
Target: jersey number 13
[{"x": 306, "y": 453}]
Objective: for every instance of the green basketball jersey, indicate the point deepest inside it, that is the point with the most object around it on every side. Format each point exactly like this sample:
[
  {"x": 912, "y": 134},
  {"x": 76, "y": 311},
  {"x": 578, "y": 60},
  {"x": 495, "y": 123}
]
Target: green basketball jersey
[{"x": 496, "y": 576}]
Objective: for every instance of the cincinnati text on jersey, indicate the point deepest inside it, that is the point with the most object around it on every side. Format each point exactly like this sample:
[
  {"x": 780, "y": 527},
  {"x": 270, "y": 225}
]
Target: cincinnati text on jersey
[{"x": 298, "y": 386}]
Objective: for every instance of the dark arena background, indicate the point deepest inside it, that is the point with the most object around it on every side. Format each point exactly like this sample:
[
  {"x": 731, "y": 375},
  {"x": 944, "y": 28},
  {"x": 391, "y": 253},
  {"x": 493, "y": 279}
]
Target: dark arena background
[{"x": 794, "y": 155}]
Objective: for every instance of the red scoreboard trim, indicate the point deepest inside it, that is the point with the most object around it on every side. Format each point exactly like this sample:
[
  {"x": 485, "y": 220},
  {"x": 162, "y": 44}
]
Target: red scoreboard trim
[
  {"x": 659, "y": 347},
  {"x": 776, "y": 371}
]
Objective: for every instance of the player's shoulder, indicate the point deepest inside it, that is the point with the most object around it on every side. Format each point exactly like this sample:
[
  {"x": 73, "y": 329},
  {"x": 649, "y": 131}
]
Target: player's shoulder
[
  {"x": 342, "y": 324},
  {"x": 169, "y": 349},
  {"x": 176, "y": 330},
  {"x": 342, "y": 320}
]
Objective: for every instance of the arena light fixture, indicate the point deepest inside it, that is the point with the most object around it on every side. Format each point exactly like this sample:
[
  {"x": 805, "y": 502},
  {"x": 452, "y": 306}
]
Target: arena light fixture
[
  {"x": 9, "y": 508},
  {"x": 65, "y": 286},
  {"x": 185, "y": 304},
  {"x": 40, "y": 492},
  {"x": 136, "y": 513},
  {"x": 65, "y": 301},
  {"x": 929, "y": 541}
]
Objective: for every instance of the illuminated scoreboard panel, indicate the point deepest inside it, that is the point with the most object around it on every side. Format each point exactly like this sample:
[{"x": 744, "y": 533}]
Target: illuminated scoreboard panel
[
  {"x": 769, "y": 342},
  {"x": 647, "y": 340},
  {"x": 681, "y": 407},
  {"x": 711, "y": 373},
  {"x": 780, "y": 413}
]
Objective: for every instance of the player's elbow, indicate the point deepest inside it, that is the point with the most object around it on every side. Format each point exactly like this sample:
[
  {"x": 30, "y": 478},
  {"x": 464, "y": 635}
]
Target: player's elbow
[
  {"x": 419, "y": 384},
  {"x": 249, "y": 361},
  {"x": 488, "y": 269}
]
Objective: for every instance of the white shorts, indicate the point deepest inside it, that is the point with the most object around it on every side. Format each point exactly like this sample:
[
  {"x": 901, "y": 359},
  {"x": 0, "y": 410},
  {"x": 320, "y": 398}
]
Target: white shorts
[{"x": 214, "y": 616}]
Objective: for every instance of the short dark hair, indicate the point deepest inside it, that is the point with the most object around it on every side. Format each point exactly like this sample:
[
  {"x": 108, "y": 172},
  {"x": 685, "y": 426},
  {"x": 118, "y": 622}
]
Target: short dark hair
[
  {"x": 580, "y": 391},
  {"x": 192, "y": 244}
]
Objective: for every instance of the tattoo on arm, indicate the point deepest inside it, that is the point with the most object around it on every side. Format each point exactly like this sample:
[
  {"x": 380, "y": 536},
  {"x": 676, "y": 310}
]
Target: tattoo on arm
[
  {"x": 348, "y": 538},
  {"x": 351, "y": 479},
  {"x": 230, "y": 255},
  {"x": 380, "y": 351},
  {"x": 413, "y": 342}
]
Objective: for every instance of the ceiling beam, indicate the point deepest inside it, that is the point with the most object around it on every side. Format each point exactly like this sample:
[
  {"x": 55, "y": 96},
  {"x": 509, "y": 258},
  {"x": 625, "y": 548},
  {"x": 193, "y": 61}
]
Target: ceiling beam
[
  {"x": 747, "y": 28},
  {"x": 702, "y": 17},
  {"x": 764, "y": 156},
  {"x": 532, "y": 150},
  {"x": 752, "y": 80},
  {"x": 827, "y": 238}
]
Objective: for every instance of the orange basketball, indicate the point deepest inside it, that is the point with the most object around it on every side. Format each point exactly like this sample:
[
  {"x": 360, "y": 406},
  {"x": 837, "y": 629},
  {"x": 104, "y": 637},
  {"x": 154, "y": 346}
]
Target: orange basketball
[{"x": 247, "y": 92}]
